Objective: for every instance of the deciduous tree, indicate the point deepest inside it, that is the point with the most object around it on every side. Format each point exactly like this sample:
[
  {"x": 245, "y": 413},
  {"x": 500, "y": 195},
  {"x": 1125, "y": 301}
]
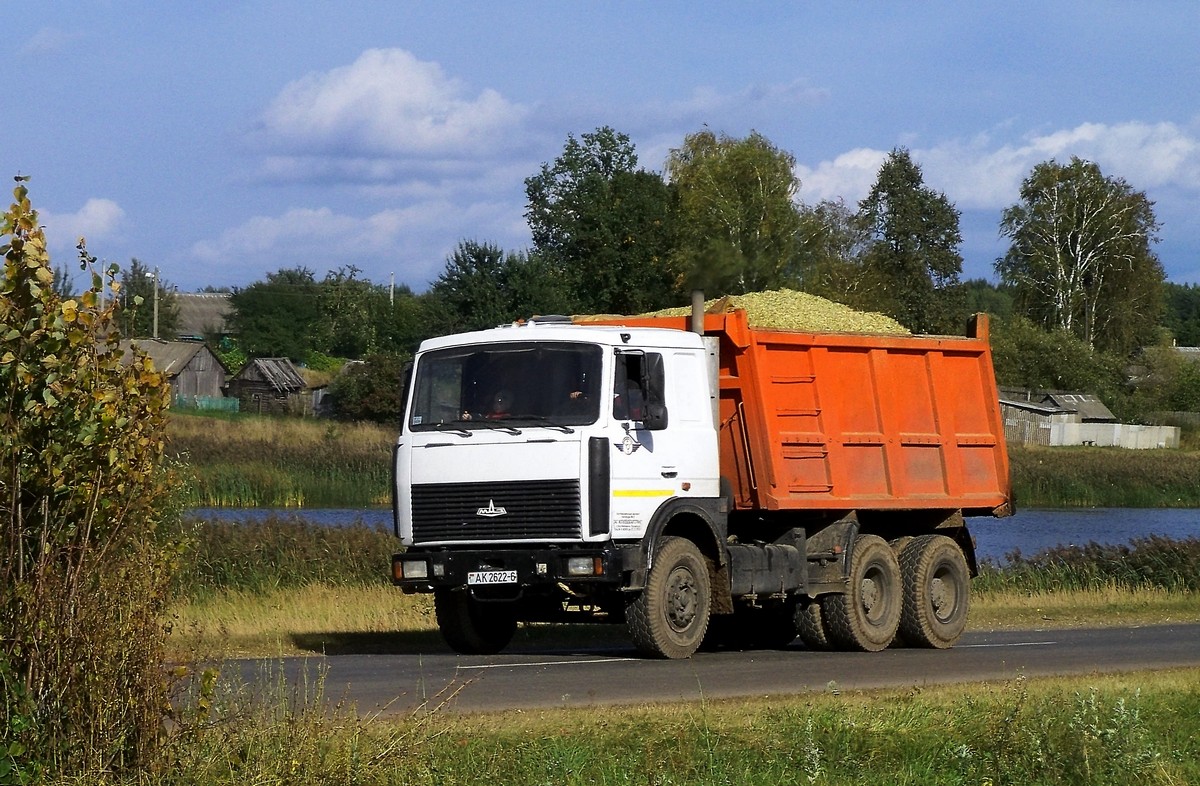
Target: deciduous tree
[
  {"x": 604, "y": 224},
  {"x": 738, "y": 223},
  {"x": 279, "y": 317},
  {"x": 1080, "y": 257}
]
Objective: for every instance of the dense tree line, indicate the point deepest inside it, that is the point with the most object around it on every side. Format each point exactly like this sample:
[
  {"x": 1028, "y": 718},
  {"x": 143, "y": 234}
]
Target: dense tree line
[{"x": 1080, "y": 292}]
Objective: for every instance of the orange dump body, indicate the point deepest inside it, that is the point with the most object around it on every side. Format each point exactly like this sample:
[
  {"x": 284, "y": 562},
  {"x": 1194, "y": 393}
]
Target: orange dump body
[{"x": 832, "y": 421}]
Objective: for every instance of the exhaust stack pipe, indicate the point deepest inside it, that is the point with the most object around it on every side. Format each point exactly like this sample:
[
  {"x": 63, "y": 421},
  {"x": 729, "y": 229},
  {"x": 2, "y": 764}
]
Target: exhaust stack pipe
[{"x": 698, "y": 311}]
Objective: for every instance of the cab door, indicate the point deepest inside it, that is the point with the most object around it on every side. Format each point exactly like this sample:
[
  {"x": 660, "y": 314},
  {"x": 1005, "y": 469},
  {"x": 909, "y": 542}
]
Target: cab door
[{"x": 662, "y": 437}]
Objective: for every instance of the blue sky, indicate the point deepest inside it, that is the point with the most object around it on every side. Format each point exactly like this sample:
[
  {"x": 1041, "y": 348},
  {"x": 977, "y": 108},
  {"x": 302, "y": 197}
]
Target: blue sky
[{"x": 220, "y": 141}]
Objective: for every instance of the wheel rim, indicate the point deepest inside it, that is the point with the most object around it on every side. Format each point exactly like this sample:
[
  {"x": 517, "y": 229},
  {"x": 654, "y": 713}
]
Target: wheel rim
[
  {"x": 682, "y": 599},
  {"x": 943, "y": 595},
  {"x": 873, "y": 603}
]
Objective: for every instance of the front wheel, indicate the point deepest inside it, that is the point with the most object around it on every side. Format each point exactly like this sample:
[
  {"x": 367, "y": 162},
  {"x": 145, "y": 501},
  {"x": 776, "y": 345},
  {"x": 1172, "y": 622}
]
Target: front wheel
[
  {"x": 937, "y": 592},
  {"x": 867, "y": 615},
  {"x": 471, "y": 627},
  {"x": 669, "y": 616}
]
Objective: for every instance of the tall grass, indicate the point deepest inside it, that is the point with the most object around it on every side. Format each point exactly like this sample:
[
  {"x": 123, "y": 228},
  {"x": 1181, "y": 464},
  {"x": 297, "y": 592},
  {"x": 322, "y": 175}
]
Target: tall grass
[
  {"x": 1139, "y": 729},
  {"x": 280, "y": 552},
  {"x": 1150, "y": 563},
  {"x": 1105, "y": 477},
  {"x": 259, "y": 461}
]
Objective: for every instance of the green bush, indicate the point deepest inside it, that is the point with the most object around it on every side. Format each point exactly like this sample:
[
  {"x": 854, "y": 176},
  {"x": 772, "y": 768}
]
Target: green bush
[{"x": 83, "y": 580}]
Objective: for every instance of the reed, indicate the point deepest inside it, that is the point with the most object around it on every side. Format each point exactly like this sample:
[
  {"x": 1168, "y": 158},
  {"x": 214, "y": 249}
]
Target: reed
[
  {"x": 1105, "y": 477},
  {"x": 260, "y": 461}
]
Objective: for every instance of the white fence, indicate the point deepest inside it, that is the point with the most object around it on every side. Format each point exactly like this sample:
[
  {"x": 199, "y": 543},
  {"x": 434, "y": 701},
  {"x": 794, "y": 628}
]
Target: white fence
[{"x": 1119, "y": 435}]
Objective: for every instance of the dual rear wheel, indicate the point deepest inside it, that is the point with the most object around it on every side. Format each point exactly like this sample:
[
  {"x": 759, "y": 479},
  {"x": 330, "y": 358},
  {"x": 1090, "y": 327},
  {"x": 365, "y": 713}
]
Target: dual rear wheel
[{"x": 914, "y": 591}]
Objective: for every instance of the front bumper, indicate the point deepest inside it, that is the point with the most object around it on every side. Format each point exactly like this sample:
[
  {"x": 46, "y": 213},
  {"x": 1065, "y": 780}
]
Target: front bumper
[{"x": 420, "y": 570}]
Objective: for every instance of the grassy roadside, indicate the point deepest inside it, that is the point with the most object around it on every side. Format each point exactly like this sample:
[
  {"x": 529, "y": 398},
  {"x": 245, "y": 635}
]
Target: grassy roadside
[
  {"x": 249, "y": 590},
  {"x": 1128, "y": 729},
  {"x": 286, "y": 586}
]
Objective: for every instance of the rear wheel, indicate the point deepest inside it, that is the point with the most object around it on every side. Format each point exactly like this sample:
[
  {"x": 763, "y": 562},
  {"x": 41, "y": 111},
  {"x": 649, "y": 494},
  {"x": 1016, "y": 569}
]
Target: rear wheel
[
  {"x": 867, "y": 615},
  {"x": 937, "y": 592},
  {"x": 811, "y": 626},
  {"x": 669, "y": 616},
  {"x": 472, "y": 627}
]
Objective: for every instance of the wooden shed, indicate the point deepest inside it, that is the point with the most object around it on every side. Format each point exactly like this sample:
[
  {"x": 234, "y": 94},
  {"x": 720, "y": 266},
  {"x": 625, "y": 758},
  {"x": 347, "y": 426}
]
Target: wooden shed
[
  {"x": 270, "y": 386},
  {"x": 193, "y": 370}
]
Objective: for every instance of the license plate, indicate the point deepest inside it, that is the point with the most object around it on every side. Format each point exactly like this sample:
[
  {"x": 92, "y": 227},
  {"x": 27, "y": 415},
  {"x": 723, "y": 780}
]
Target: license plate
[{"x": 476, "y": 577}]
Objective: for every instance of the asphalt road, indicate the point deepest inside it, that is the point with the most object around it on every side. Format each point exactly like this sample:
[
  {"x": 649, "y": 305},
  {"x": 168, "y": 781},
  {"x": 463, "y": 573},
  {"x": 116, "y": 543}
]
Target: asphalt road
[{"x": 613, "y": 673}]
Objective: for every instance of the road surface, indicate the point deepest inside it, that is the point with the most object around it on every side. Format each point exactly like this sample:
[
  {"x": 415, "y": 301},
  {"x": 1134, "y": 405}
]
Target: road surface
[{"x": 594, "y": 674}]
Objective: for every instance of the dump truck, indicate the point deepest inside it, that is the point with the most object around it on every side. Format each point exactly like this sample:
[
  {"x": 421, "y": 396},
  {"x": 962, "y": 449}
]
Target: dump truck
[{"x": 704, "y": 481}]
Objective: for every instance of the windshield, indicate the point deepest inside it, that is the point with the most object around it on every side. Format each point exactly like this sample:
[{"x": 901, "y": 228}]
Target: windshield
[{"x": 493, "y": 385}]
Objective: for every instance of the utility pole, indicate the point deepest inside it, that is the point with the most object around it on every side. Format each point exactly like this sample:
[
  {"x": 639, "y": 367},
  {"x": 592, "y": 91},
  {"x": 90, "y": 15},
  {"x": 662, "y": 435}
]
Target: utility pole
[{"x": 155, "y": 302}]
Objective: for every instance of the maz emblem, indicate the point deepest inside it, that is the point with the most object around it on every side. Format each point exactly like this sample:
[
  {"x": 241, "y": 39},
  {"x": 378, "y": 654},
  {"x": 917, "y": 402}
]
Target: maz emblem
[{"x": 491, "y": 511}]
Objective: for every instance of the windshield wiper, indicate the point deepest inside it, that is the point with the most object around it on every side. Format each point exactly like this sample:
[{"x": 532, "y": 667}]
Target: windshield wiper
[
  {"x": 545, "y": 422},
  {"x": 498, "y": 426},
  {"x": 462, "y": 432}
]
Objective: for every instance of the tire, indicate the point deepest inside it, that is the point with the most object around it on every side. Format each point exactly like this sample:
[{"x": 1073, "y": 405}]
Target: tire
[
  {"x": 811, "y": 626},
  {"x": 867, "y": 616},
  {"x": 937, "y": 592},
  {"x": 669, "y": 617},
  {"x": 471, "y": 627}
]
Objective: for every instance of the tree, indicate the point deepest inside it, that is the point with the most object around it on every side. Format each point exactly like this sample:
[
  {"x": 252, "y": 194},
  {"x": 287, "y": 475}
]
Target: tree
[
  {"x": 605, "y": 224},
  {"x": 1183, "y": 313},
  {"x": 141, "y": 289},
  {"x": 1026, "y": 356},
  {"x": 831, "y": 247},
  {"x": 738, "y": 224},
  {"x": 914, "y": 257},
  {"x": 482, "y": 286},
  {"x": 279, "y": 317},
  {"x": 84, "y": 579},
  {"x": 371, "y": 390},
  {"x": 1080, "y": 256}
]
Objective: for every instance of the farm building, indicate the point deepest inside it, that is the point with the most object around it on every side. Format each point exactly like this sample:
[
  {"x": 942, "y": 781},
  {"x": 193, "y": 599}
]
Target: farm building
[
  {"x": 1058, "y": 418},
  {"x": 271, "y": 386},
  {"x": 192, "y": 369}
]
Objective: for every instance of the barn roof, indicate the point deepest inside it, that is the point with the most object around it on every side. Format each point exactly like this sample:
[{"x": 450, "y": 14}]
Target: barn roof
[
  {"x": 203, "y": 313},
  {"x": 1087, "y": 405},
  {"x": 279, "y": 373},
  {"x": 170, "y": 357}
]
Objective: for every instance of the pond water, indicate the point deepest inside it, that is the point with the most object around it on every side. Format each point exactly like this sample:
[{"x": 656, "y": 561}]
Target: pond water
[{"x": 1029, "y": 531}]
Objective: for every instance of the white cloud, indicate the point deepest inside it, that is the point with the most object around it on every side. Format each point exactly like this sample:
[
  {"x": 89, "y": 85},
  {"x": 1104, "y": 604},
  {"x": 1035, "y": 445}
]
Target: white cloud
[
  {"x": 98, "y": 219},
  {"x": 849, "y": 176},
  {"x": 387, "y": 104},
  {"x": 411, "y": 242},
  {"x": 978, "y": 173}
]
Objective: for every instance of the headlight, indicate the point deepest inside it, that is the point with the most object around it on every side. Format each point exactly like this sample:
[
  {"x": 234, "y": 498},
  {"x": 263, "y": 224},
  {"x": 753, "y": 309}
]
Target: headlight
[
  {"x": 585, "y": 566},
  {"x": 414, "y": 569}
]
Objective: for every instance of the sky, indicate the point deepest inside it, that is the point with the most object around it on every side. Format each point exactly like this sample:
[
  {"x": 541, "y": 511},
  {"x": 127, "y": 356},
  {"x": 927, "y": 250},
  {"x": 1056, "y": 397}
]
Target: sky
[{"x": 219, "y": 141}]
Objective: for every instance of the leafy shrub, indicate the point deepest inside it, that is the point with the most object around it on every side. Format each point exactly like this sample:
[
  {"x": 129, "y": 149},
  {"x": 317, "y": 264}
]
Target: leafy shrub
[{"x": 83, "y": 581}]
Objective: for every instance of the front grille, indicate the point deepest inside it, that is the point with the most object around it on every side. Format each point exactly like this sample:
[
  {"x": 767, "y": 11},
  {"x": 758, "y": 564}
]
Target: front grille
[{"x": 532, "y": 510}]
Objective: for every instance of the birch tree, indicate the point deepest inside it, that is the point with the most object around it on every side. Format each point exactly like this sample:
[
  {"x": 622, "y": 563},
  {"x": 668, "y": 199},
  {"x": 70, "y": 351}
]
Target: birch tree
[
  {"x": 1080, "y": 257},
  {"x": 738, "y": 221}
]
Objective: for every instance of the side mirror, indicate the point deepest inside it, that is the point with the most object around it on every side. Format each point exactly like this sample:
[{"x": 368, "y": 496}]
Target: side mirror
[{"x": 655, "y": 416}]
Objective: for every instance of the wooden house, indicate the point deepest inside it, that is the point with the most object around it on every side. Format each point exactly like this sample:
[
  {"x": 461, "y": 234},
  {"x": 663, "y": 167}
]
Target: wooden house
[{"x": 270, "y": 386}]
